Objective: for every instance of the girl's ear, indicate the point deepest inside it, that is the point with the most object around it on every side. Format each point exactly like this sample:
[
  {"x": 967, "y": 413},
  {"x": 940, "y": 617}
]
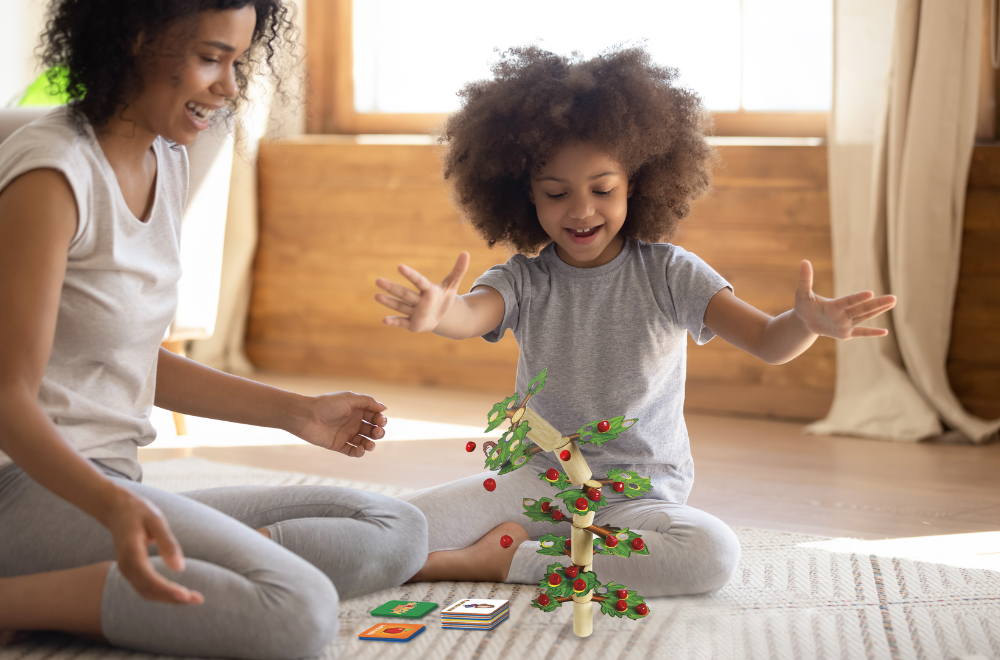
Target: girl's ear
[
  {"x": 631, "y": 187},
  {"x": 531, "y": 196}
]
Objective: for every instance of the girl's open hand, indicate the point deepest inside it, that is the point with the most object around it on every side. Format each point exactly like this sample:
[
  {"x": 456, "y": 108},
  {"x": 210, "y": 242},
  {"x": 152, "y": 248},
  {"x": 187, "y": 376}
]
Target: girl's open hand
[
  {"x": 345, "y": 422},
  {"x": 423, "y": 309},
  {"x": 838, "y": 317}
]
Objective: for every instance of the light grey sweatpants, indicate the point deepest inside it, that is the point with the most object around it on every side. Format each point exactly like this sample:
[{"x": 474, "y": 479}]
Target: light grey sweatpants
[
  {"x": 263, "y": 599},
  {"x": 690, "y": 551}
]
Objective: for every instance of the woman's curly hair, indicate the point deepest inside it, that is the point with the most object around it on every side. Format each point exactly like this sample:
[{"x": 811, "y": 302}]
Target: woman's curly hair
[
  {"x": 95, "y": 44},
  {"x": 538, "y": 101}
]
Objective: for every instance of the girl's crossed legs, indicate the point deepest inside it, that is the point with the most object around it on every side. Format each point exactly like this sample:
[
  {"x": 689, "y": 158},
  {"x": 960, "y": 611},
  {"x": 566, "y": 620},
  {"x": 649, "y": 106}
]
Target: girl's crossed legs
[
  {"x": 690, "y": 551},
  {"x": 262, "y": 600}
]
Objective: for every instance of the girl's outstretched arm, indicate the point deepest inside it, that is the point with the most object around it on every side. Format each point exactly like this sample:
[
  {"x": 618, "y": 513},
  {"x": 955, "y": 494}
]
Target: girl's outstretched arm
[
  {"x": 777, "y": 340},
  {"x": 438, "y": 307}
]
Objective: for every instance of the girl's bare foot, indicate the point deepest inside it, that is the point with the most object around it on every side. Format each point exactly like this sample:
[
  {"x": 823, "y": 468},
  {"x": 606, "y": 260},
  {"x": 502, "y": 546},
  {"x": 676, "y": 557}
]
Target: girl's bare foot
[{"x": 484, "y": 561}]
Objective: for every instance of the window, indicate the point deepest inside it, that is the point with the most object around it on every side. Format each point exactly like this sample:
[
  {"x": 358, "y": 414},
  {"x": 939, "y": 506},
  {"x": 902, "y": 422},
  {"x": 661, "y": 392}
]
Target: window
[{"x": 764, "y": 67}]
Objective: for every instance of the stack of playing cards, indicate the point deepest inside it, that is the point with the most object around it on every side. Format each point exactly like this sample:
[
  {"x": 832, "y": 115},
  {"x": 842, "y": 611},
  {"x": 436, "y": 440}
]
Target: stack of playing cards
[{"x": 474, "y": 614}]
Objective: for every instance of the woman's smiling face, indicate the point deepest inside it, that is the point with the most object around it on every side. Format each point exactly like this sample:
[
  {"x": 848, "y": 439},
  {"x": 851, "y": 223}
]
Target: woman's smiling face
[
  {"x": 581, "y": 197},
  {"x": 182, "y": 91}
]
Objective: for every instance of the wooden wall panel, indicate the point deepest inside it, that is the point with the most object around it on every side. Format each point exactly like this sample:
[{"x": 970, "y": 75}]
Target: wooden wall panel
[
  {"x": 974, "y": 353},
  {"x": 335, "y": 215}
]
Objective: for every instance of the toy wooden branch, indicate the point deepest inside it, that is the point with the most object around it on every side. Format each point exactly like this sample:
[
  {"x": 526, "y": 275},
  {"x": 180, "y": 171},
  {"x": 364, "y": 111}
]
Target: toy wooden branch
[{"x": 529, "y": 434}]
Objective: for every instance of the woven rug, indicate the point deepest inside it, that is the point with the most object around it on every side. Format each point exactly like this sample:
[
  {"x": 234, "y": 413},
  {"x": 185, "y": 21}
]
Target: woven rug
[{"x": 786, "y": 601}]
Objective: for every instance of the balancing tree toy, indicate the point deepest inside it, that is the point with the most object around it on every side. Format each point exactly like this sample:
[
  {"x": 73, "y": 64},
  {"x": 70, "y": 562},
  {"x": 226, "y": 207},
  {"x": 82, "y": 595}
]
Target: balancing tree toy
[{"x": 581, "y": 495}]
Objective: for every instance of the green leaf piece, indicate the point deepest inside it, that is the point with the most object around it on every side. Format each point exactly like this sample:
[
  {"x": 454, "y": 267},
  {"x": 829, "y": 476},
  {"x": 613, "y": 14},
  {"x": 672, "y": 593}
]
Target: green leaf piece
[
  {"x": 590, "y": 435},
  {"x": 496, "y": 457},
  {"x": 608, "y": 605},
  {"x": 551, "y": 607},
  {"x": 498, "y": 413},
  {"x": 563, "y": 589},
  {"x": 591, "y": 580},
  {"x": 562, "y": 482},
  {"x": 533, "y": 509},
  {"x": 513, "y": 447},
  {"x": 519, "y": 457},
  {"x": 624, "y": 547},
  {"x": 635, "y": 486},
  {"x": 552, "y": 544},
  {"x": 569, "y": 497},
  {"x": 538, "y": 382}
]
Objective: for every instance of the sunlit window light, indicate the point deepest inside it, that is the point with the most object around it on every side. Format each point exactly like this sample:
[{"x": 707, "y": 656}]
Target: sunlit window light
[
  {"x": 773, "y": 55},
  {"x": 976, "y": 550}
]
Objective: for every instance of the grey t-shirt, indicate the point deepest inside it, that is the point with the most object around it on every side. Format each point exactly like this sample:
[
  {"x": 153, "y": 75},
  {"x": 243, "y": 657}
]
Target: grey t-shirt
[
  {"x": 118, "y": 295},
  {"x": 613, "y": 339}
]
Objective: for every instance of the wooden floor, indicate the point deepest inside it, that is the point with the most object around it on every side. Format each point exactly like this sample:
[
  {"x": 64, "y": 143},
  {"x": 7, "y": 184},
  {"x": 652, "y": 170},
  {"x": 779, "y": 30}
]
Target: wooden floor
[{"x": 750, "y": 472}]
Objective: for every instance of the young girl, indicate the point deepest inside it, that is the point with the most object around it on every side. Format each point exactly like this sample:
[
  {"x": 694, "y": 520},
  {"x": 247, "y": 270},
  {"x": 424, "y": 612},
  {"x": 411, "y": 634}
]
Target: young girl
[
  {"x": 596, "y": 161},
  {"x": 91, "y": 197}
]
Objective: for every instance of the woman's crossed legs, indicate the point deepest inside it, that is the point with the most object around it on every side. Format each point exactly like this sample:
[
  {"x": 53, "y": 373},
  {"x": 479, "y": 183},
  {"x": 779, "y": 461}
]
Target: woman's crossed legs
[{"x": 262, "y": 600}]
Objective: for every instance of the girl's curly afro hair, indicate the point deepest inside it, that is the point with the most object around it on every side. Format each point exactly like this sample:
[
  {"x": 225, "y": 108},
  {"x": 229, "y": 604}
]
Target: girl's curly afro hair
[
  {"x": 538, "y": 101},
  {"x": 95, "y": 42}
]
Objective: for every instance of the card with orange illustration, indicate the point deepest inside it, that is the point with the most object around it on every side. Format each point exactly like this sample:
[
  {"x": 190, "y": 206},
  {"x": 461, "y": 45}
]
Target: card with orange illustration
[{"x": 392, "y": 632}]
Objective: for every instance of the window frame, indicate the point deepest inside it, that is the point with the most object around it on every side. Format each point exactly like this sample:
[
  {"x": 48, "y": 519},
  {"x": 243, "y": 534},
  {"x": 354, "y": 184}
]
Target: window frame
[{"x": 330, "y": 67}]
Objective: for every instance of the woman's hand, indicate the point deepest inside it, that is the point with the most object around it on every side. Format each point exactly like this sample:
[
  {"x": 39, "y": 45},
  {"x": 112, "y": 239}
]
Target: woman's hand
[
  {"x": 344, "y": 422},
  {"x": 838, "y": 317},
  {"x": 135, "y": 523},
  {"x": 423, "y": 309}
]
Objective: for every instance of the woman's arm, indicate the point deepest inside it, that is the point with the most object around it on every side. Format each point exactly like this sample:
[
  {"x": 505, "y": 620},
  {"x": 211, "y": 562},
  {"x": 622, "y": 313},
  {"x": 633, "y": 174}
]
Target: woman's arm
[
  {"x": 438, "y": 307},
  {"x": 38, "y": 218},
  {"x": 777, "y": 340},
  {"x": 341, "y": 421}
]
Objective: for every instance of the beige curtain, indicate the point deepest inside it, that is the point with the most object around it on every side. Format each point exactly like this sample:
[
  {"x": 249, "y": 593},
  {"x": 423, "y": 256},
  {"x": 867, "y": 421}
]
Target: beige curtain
[
  {"x": 901, "y": 137},
  {"x": 259, "y": 120}
]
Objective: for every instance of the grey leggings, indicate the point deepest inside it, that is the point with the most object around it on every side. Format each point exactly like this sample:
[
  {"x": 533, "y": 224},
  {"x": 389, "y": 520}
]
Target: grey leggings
[
  {"x": 263, "y": 599},
  {"x": 690, "y": 551}
]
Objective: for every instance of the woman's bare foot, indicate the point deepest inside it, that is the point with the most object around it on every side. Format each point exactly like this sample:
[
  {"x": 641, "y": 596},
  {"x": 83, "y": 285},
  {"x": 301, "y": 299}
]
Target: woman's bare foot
[{"x": 484, "y": 561}]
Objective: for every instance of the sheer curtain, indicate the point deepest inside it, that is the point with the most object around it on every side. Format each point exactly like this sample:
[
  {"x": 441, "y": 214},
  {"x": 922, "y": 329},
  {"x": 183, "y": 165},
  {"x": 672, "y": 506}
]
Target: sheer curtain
[{"x": 901, "y": 137}]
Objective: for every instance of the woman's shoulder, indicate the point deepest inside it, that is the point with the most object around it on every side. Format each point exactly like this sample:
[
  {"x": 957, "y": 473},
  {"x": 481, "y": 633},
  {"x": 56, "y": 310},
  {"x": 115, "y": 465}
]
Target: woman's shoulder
[{"x": 53, "y": 140}]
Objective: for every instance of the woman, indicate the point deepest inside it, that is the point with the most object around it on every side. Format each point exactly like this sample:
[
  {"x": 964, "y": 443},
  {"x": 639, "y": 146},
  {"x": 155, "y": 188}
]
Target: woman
[{"x": 91, "y": 198}]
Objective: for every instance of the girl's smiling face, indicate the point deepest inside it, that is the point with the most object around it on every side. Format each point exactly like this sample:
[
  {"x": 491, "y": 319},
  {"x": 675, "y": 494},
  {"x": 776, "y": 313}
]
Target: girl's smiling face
[
  {"x": 581, "y": 197},
  {"x": 179, "y": 97}
]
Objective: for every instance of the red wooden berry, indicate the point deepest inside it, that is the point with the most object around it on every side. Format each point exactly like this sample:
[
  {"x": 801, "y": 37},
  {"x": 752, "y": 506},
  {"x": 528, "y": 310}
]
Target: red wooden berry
[
  {"x": 470, "y": 446},
  {"x": 594, "y": 494},
  {"x": 564, "y": 454},
  {"x": 621, "y": 606},
  {"x": 543, "y": 600},
  {"x": 638, "y": 544},
  {"x": 611, "y": 541},
  {"x": 568, "y": 543},
  {"x": 546, "y": 507},
  {"x": 558, "y": 515},
  {"x": 622, "y": 594},
  {"x": 641, "y": 609},
  {"x": 571, "y": 571},
  {"x": 579, "y": 584},
  {"x": 506, "y": 541},
  {"x": 552, "y": 474},
  {"x": 555, "y": 580},
  {"x": 618, "y": 487},
  {"x": 490, "y": 485},
  {"x": 582, "y": 504},
  {"x": 602, "y": 427}
]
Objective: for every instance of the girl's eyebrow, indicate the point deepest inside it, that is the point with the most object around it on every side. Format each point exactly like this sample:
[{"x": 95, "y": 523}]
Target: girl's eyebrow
[
  {"x": 596, "y": 176},
  {"x": 220, "y": 45}
]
